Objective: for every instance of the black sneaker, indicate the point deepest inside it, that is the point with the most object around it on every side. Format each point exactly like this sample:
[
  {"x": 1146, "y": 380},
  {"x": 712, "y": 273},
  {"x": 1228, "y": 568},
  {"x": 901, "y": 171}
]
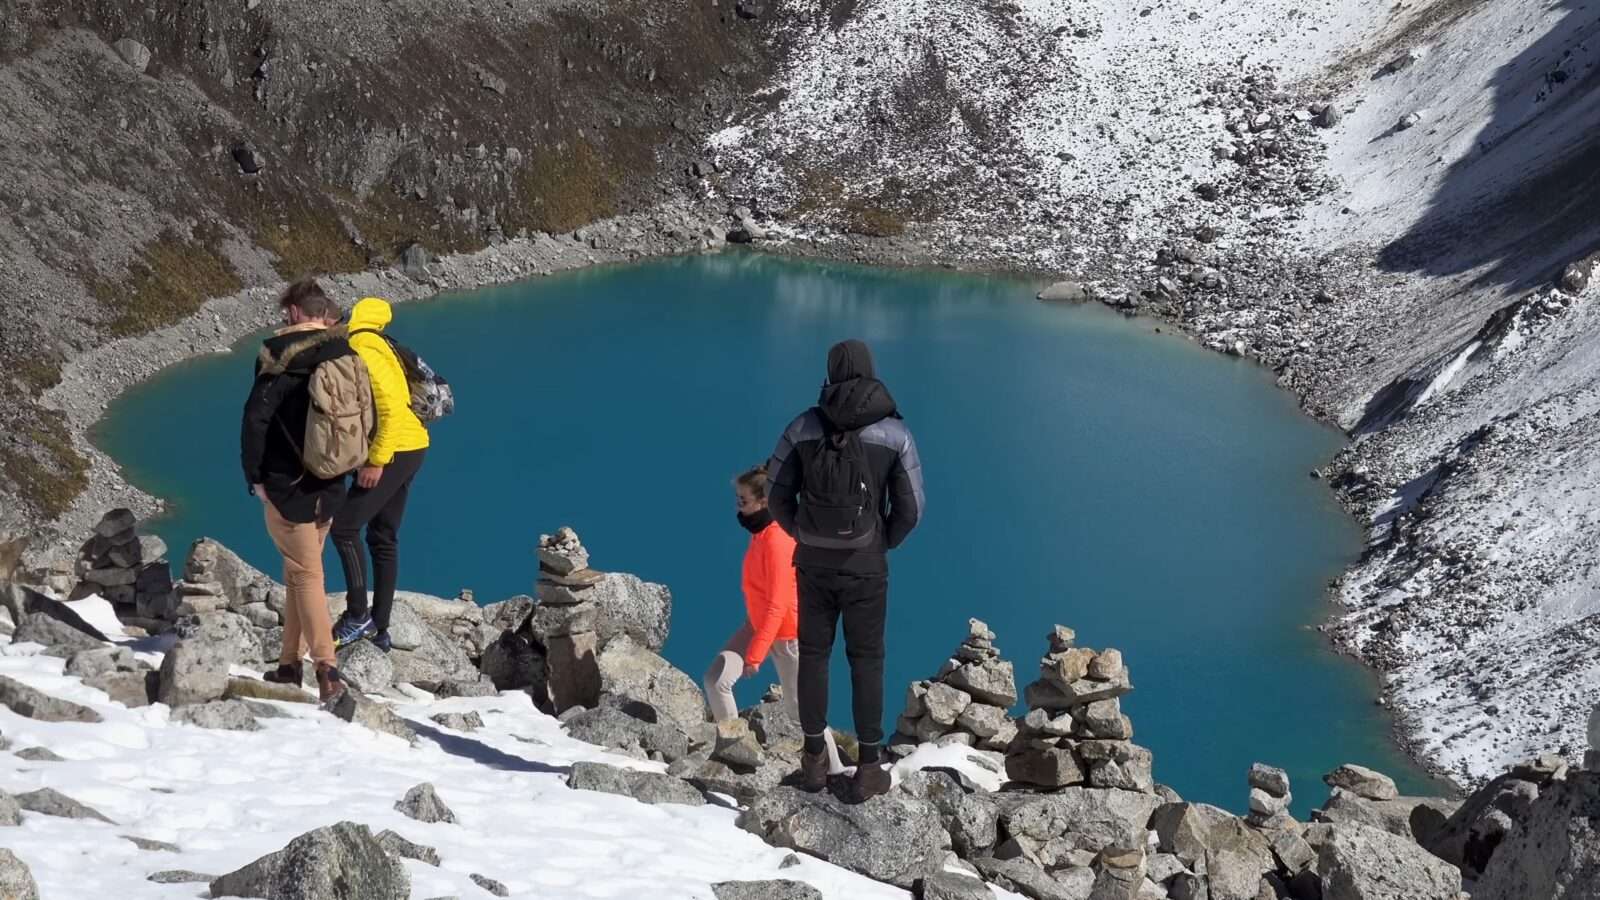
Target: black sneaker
[
  {"x": 286, "y": 673},
  {"x": 382, "y": 642},
  {"x": 347, "y": 630}
]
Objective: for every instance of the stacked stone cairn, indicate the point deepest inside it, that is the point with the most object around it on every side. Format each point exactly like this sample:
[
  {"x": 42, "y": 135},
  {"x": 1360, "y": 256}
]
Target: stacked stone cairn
[
  {"x": 965, "y": 703},
  {"x": 126, "y": 568},
  {"x": 1269, "y": 797},
  {"x": 1074, "y": 732},
  {"x": 567, "y": 619}
]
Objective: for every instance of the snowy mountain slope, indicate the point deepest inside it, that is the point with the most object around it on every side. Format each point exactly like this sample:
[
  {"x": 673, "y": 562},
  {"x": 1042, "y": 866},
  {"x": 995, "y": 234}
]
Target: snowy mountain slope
[{"x": 227, "y": 798}]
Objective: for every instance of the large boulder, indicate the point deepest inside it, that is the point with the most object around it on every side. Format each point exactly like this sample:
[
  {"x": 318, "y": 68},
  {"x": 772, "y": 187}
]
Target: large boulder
[
  {"x": 607, "y": 726},
  {"x": 645, "y": 787},
  {"x": 35, "y": 704},
  {"x": 229, "y": 634},
  {"x": 60, "y": 638},
  {"x": 365, "y": 666},
  {"x": 16, "y": 882},
  {"x": 1555, "y": 855},
  {"x": 436, "y": 661},
  {"x": 222, "y": 715},
  {"x": 340, "y": 862},
  {"x": 514, "y": 664},
  {"x": 630, "y": 674},
  {"x": 1358, "y": 862},
  {"x": 194, "y": 671},
  {"x": 1473, "y": 832},
  {"x": 1418, "y": 818},
  {"x": 1363, "y": 782},
  {"x": 1031, "y": 880},
  {"x": 1090, "y": 819},
  {"x": 894, "y": 837}
]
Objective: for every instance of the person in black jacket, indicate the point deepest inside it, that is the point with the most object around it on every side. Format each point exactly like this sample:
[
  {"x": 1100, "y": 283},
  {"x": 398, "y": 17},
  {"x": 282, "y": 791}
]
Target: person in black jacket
[
  {"x": 846, "y": 577},
  {"x": 297, "y": 505}
]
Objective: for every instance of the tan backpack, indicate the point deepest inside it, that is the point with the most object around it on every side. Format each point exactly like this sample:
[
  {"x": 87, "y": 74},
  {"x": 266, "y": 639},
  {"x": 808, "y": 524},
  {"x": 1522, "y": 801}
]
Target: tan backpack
[{"x": 341, "y": 419}]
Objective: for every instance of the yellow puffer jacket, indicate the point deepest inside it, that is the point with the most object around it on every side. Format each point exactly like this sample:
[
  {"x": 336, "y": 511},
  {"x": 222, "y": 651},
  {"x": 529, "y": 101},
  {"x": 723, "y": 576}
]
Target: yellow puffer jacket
[{"x": 399, "y": 429}]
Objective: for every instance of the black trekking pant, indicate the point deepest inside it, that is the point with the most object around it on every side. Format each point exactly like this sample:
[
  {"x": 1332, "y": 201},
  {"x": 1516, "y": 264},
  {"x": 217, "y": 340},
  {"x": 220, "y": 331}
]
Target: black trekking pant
[
  {"x": 862, "y": 601},
  {"x": 378, "y": 509}
]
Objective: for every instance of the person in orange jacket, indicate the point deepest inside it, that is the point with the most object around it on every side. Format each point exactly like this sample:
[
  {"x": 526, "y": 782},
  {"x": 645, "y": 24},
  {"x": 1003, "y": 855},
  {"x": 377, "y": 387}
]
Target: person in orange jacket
[{"x": 771, "y": 601}]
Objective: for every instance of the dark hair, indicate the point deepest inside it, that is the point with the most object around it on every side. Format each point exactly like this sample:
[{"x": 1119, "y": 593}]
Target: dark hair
[
  {"x": 309, "y": 296},
  {"x": 755, "y": 479}
]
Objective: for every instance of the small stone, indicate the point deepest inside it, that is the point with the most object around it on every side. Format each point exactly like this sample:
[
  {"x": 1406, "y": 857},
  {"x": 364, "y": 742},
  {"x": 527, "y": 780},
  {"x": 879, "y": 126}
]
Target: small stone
[
  {"x": 34, "y": 704},
  {"x": 1363, "y": 782},
  {"x": 247, "y": 157},
  {"x": 1107, "y": 666},
  {"x": 1266, "y": 805},
  {"x": 1062, "y": 639},
  {"x": 180, "y": 876},
  {"x": 222, "y": 715},
  {"x": 39, "y": 754},
  {"x": 468, "y": 721},
  {"x": 1066, "y": 292},
  {"x": 423, "y": 804},
  {"x": 1273, "y": 780},
  {"x": 490, "y": 885},
  {"x": 116, "y": 522},
  {"x": 48, "y": 802},
  {"x": 399, "y": 846},
  {"x": 150, "y": 846}
]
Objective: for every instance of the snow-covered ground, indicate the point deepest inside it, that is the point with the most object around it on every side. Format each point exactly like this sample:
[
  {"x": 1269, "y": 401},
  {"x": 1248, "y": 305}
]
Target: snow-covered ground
[{"x": 227, "y": 798}]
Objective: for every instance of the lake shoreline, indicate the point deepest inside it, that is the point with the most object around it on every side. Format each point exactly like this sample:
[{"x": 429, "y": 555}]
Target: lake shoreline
[{"x": 93, "y": 380}]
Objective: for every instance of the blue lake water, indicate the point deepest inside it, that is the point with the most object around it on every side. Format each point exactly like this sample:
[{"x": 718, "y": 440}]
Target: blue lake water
[{"x": 1080, "y": 469}]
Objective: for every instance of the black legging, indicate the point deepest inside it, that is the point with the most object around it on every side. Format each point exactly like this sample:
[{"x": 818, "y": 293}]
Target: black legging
[
  {"x": 862, "y": 601},
  {"x": 379, "y": 510}
]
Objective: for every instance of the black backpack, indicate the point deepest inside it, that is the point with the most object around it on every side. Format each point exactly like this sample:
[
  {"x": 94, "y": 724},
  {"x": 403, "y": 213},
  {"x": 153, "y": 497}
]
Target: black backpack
[
  {"x": 431, "y": 396},
  {"x": 837, "y": 509}
]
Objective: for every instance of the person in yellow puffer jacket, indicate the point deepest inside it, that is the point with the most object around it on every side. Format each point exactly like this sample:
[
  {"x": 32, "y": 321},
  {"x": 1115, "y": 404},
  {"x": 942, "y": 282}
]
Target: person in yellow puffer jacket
[{"x": 377, "y": 500}]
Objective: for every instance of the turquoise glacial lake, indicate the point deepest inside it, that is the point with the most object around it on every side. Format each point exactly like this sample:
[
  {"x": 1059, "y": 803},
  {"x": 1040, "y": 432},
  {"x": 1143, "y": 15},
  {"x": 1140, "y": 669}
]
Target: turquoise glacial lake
[{"x": 1081, "y": 468}]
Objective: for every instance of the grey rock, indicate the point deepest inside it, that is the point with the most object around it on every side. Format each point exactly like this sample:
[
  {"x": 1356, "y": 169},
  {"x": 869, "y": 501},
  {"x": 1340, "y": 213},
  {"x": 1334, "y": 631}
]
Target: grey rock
[
  {"x": 365, "y": 666},
  {"x": 630, "y": 673},
  {"x": 512, "y": 663},
  {"x": 223, "y": 715},
  {"x": 1030, "y": 880},
  {"x": 1185, "y": 829},
  {"x": 773, "y": 725},
  {"x": 1052, "y": 696},
  {"x": 490, "y": 885},
  {"x": 396, "y": 845},
  {"x": 982, "y": 719},
  {"x": 406, "y": 627},
  {"x": 97, "y": 661},
  {"x": 608, "y": 726},
  {"x": 61, "y": 638},
  {"x": 35, "y": 704},
  {"x": 945, "y": 703},
  {"x": 1274, "y": 781},
  {"x": 117, "y": 521},
  {"x": 736, "y": 745},
  {"x": 49, "y": 802},
  {"x": 895, "y": 838},
  {"x": 39, "y": 754},
  {"x": 993, "y": 682},
  {"x": 423, "y": 804},
  {"x": 229, "y": 633},
  {"x": 1066, "y": 292},
  {"x": 467, "y": 721},
  {"x": 436, "y": 660},
  {"x": 572, "y": 669},
  {"x": 1363, "y": 782},
  {"x": 10, "y": 810},
  {"x": 150, "y": 846},
  {"x": 1418, "y": 818},
  {"x": 646, "y": 787},
  {"x": 1091, "y": 818},
  {"x": 193, "y": 671},
  {"x": 256, "y": 689},
  {"x": 1045, "y": 767},
  {"x": 1293, "y": 852},
  {"x": 248, "y": 158},
  {"x": 16, "y": 881},
  {"x": 180, "y": 876},
  {"x": 1361, "y": 863},
  {"x": 510, "y": 615},
  {"x": 775, "y": 889},
  {"x": 952, "y": 886},
  {"x": 111, "y": 576},
  {"x": 620, "y": 604},
  {"x": 340, "y": 862},
  {"x": 414, "y": 261},
  {"x": 135, "y": 54},
  {"x": 489, "y": 81},
  {"x": 1555, "y": 853},
  {"x": 480, "y": 688},
  {"x": 1104, "y": 719}
]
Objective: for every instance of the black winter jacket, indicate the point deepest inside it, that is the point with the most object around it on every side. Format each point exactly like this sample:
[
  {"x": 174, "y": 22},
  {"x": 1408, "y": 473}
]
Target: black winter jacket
[
  {"x": 274, "y": 426},
  {"x": 852, "y": 399}
]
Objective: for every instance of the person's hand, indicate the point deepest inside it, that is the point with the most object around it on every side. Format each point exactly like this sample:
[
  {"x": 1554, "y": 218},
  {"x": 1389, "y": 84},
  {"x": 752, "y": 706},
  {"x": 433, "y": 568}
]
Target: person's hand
[
  {"x": 750, "y": 670},
  {"x": 368, "y": 476}
]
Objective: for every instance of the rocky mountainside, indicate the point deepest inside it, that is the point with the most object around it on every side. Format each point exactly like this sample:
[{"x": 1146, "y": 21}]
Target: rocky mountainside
[
  {"x": 563, "y": 757},
  {"x": 162, "y": 153}
]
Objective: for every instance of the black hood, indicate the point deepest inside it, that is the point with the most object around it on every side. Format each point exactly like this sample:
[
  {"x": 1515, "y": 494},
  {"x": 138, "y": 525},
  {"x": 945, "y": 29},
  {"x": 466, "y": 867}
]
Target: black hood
[
  {"x": 853, "y": 397},
  {"x": 301, "y": 351}
]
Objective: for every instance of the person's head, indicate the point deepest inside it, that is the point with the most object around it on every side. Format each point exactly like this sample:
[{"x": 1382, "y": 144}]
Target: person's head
[
  {"x": 304, "y": 301},
  {"x": 750, "y": 491},
  {"x": 849, "y": 359}
]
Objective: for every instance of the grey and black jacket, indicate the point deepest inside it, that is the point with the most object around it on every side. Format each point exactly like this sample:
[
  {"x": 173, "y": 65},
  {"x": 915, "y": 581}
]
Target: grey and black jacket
[{"x": 852, "y": 399}]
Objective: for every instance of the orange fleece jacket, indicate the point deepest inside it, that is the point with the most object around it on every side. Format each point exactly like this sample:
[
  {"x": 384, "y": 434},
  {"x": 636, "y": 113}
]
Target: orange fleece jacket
[{"x": 770, "y": 596}]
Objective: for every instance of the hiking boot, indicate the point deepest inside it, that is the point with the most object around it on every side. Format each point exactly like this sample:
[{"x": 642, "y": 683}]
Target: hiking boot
[
  {"x": 872, "y": 779},
  {"x": 348, "y": 630},
  {"x": 813, "y": 771},
  {"x": 286, "y": 673},
  {"x": 330, "y": 684},
  {"x": 382, "y": 642}
]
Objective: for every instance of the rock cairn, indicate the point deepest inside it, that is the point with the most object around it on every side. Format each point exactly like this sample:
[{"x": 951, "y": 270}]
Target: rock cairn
[
  {"x": 1075, "y": 732},
  {"x": 965, "y": 703},
  {"x": 567, "y": 618},
  {"x": 126, "y": 568},
  {"x": 1269, "y": 796}
]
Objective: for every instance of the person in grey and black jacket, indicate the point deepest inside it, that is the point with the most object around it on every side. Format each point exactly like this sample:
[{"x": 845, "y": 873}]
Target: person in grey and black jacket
[{"x": 855, "y": 440}]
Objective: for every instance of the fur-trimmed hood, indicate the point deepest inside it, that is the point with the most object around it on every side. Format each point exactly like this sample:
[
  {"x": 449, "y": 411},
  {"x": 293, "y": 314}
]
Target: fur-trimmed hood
[{"x": 301, "y": 348}]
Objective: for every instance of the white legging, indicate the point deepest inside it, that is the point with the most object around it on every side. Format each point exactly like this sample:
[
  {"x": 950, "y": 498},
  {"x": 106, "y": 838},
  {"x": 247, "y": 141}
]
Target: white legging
[{"x": 728, "y": 666}]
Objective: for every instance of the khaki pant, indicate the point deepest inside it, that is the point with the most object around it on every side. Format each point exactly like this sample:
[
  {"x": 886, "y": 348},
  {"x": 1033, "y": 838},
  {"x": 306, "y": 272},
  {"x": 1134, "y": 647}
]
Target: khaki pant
[
  {"x": 306, "y": 623},
  {"x": 728, "y": 666}
]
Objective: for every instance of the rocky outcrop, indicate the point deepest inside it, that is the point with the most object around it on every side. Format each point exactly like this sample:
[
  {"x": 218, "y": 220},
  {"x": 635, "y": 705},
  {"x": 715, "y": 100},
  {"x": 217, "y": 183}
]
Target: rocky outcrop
[
  {"x": 645, "y": 787},
  {"x": 1555, "y": 851},
  {"x": 967, "y": 702},
  {"x": 1356, "y": 862},
  {"x": 632, "y": 677},
  {"x": 340, "y": 862},
  {"x": 894, "y": 837},
  {"x": 609, "y": 726}
]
